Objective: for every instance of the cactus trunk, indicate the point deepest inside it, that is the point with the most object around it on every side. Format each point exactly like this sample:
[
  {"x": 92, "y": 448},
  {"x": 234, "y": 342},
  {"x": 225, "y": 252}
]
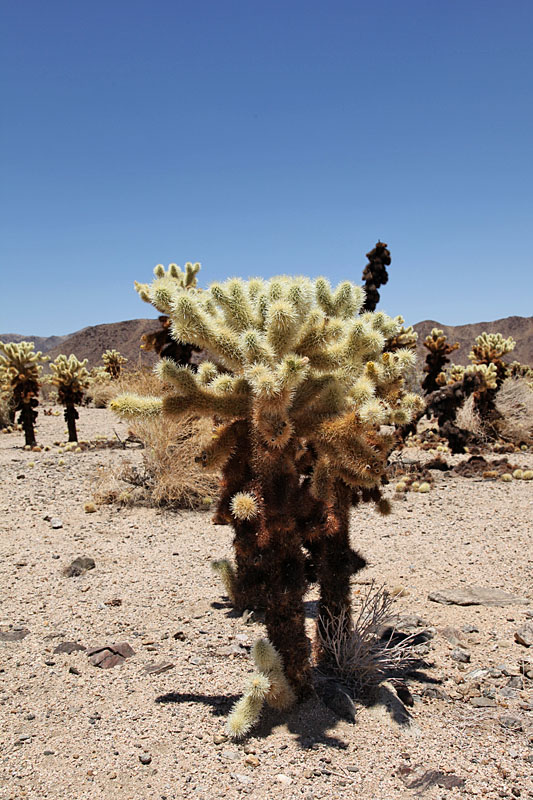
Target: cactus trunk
[
  {"x": 27, "y": 419},
  {"x": 71, "y": 415}
]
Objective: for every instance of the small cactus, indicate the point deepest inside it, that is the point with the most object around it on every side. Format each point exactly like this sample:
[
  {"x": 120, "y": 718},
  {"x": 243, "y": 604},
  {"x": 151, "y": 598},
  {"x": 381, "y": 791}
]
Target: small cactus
[
  {"x": 113, "y": 362},
  {"x": 20, "y": 375},
  {"x": 71, "y": 378}
]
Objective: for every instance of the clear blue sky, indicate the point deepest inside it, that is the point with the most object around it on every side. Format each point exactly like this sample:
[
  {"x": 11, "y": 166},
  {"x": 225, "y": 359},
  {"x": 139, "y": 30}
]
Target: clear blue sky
[{"x": 260, "y": 137}]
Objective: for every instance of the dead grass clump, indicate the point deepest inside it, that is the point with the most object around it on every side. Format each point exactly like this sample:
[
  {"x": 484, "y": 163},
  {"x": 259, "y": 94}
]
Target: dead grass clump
[
  {"x": 359, "y": 652},
  {"x": 514, "y": 402},
  {"x": 468, "y": 419},
  {"x": 170, "y": 475}
]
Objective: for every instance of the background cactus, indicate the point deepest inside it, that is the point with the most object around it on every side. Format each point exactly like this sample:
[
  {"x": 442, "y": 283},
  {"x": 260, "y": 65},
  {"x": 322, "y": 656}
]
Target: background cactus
[
  {"x": 21, "y": 369},
  {"x": 439, "y": 350},
  {"x": 375, "y": 275},
  {"x": 306, "y": 390},
  {"x": 113, "y": 362},
  {"x": 488, "y": 350},
  {"x": 71, "y": 378}
]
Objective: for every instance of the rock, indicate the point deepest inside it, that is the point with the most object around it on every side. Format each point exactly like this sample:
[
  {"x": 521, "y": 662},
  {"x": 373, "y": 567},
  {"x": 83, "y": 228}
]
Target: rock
[
  {"x": 476, "y": 596},
  {"x": 242, "y": 778},
  {"x": 337, "y": 700},
  {"x": 524, "y": 635},
  {"x": 145, "y": 758},
  {"x": 196, "y": 660},
  {"x": 110, "y": 655},
  {"x": 74, "y": 671},
  {"x": 48, "y": 752},
  {"x": 220, "y": 738},
  {"x": 458, "y": 654},
  {"x": 56, "y": 523},
  {"x": 251, "y": 760},
  {"x": 422, "y": 779},
  {"x": 13, "y": 634},
  {"x": 283, "y": 779},
  {"x": 451, "y": 635},
  {"x": 69, "y": 647},
  {"x": 79, "y": 566},
  {"x": 511, "y": 722},
  {"x": 230, "y": 755},
  {"x": 470, "y": 629},
  {"x": 179, "y": 636},
  {"x": 157, "y": 669},
  {"x": 483, "y": 702}
]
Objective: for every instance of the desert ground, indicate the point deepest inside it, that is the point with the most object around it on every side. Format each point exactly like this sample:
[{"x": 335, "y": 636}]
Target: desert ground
[{"x": 71, "y": 729}]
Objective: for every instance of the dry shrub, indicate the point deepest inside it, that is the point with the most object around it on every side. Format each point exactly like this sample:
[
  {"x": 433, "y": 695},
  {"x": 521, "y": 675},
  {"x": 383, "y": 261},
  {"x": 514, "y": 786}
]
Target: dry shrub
[
  {"x": 359, "y": 653},
  {"x": 169, "y": 475},
  {"x": 514, "y": 402},
  {"x": 139, "y": 381},
  {"x": 468, "y": 419}
]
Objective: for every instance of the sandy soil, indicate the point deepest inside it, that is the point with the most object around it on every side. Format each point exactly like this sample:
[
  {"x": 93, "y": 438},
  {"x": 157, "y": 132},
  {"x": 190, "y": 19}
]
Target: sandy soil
[{"x": 72, "y": 730}]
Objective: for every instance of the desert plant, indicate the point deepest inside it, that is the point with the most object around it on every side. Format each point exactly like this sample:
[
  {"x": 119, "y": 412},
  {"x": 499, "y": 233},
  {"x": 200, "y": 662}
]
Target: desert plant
[
  {"x": 21, "y": 375},
  {"x": 375, "y": 275},
  {"x": 71, "y": 378},
  {"x": 514, "y": 404},
  {"x": 362, "y": 651},
  {"x": 439, "y": 350},
  {"x": 113, "y": 362},
  {"x": 298, "y": 419},
  {"x": 488, "y": 349}
]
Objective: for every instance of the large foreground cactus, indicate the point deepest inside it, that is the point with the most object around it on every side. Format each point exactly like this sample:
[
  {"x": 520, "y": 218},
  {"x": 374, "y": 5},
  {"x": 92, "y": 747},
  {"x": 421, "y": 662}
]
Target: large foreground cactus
[
  {"x": 298, "y": 431},
  {"x": 71, "y": 378},
  {"x": 21, "y": 370}
]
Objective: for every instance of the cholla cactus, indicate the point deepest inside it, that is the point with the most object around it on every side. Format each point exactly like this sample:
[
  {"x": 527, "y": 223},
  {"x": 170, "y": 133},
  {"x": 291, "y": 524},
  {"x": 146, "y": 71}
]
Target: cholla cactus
[
  {"x": 21, "y": 370},
  {"x": 488, "y": 349},
  {"x": 113, "y": 362},
  {"x": 174, "y": 278},
  {"x": 299, "y": 412},
  {"x": 439, "y": 350},
  {"x": 71, "y": 378},
  {"x": 375, "y": 275},
  {"x": 405, "y": 338},
  {"x": 164, "y": 345}
]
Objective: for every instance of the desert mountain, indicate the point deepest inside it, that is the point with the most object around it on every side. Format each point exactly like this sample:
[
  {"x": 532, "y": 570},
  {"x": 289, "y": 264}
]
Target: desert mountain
[{"x": 125, "y": 336}]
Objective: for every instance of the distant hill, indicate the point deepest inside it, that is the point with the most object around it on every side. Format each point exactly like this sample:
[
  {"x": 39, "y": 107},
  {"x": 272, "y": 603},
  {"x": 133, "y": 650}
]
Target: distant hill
[{"x": 125, "y": 336}]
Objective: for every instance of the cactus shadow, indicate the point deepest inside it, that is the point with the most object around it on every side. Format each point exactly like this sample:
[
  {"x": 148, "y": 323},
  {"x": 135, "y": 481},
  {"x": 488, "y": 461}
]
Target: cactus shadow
[
  {"x": 310, "y": 722},
  {"x": 220, "y": 703}
]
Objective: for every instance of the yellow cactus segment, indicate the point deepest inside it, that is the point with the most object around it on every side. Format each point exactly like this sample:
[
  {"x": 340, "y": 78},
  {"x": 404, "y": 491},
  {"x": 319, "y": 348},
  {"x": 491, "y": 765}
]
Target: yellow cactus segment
[
  {"x": 89, "y": 508},
  {"x": 226, "y": 571},
  {"x": 269, "y": 662},
  {"x": 244, "y": 506},
  {"x": 507, "y": 477},
  {"x": 424, "y": 488},
  {"x": 129, "y": 406},
  {"x": 518, "y": 474},
  {"x": 247, "y": 710},
  {"x": 400, "y": 487},
  {"x": 527, "y": 475}
]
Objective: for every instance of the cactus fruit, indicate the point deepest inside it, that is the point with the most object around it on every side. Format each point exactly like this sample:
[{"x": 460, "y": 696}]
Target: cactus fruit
[
  {"x": 20, "y": 373},
  {"x": 71, "y": 378},
  {"x": 375, "y": 274},
  {"x": 113, "y": 362},
  {"x": 304, "y": 388}
]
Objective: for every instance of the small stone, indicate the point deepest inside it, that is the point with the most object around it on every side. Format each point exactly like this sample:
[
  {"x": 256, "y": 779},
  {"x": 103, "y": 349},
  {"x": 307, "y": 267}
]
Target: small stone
[
  {"x": 251, "y": 761},
  {"x": 74, "y": 671},
  {"x": 470, "y": 629},
  {"x": 351, "y": 768},
  {"x": 245, "y": 779},
  {"x": 458, "y": 654},
  {"x": 230, "y": 755},
  {"x": 79, "y": 566},
  {"x": 483, "y": 702},
  {"x": 157, "y": 669},
  {"x": 220, "y": 738},
  {"x": 283, "y": 779},
  {"x": 196, "y": 660},
  {"x": 56, "y": 523},
  {"x": 13, "y": 634},
  {"x": 475, "y": 596},
  {"x": 179, "y": 636},
  {"x": 249, "y": 749},
  {"x": 48, "y": 752},
  {"x": 68, "y": 647},
  {"x": 452, "y": 636},
  {"x": 399, "y": 591},
  {"x": 30, "y": 716},
  {"x": 511, "y": 722},
  {"x": 145, "y": 758},
  {"x": 524, "y": 635}
]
